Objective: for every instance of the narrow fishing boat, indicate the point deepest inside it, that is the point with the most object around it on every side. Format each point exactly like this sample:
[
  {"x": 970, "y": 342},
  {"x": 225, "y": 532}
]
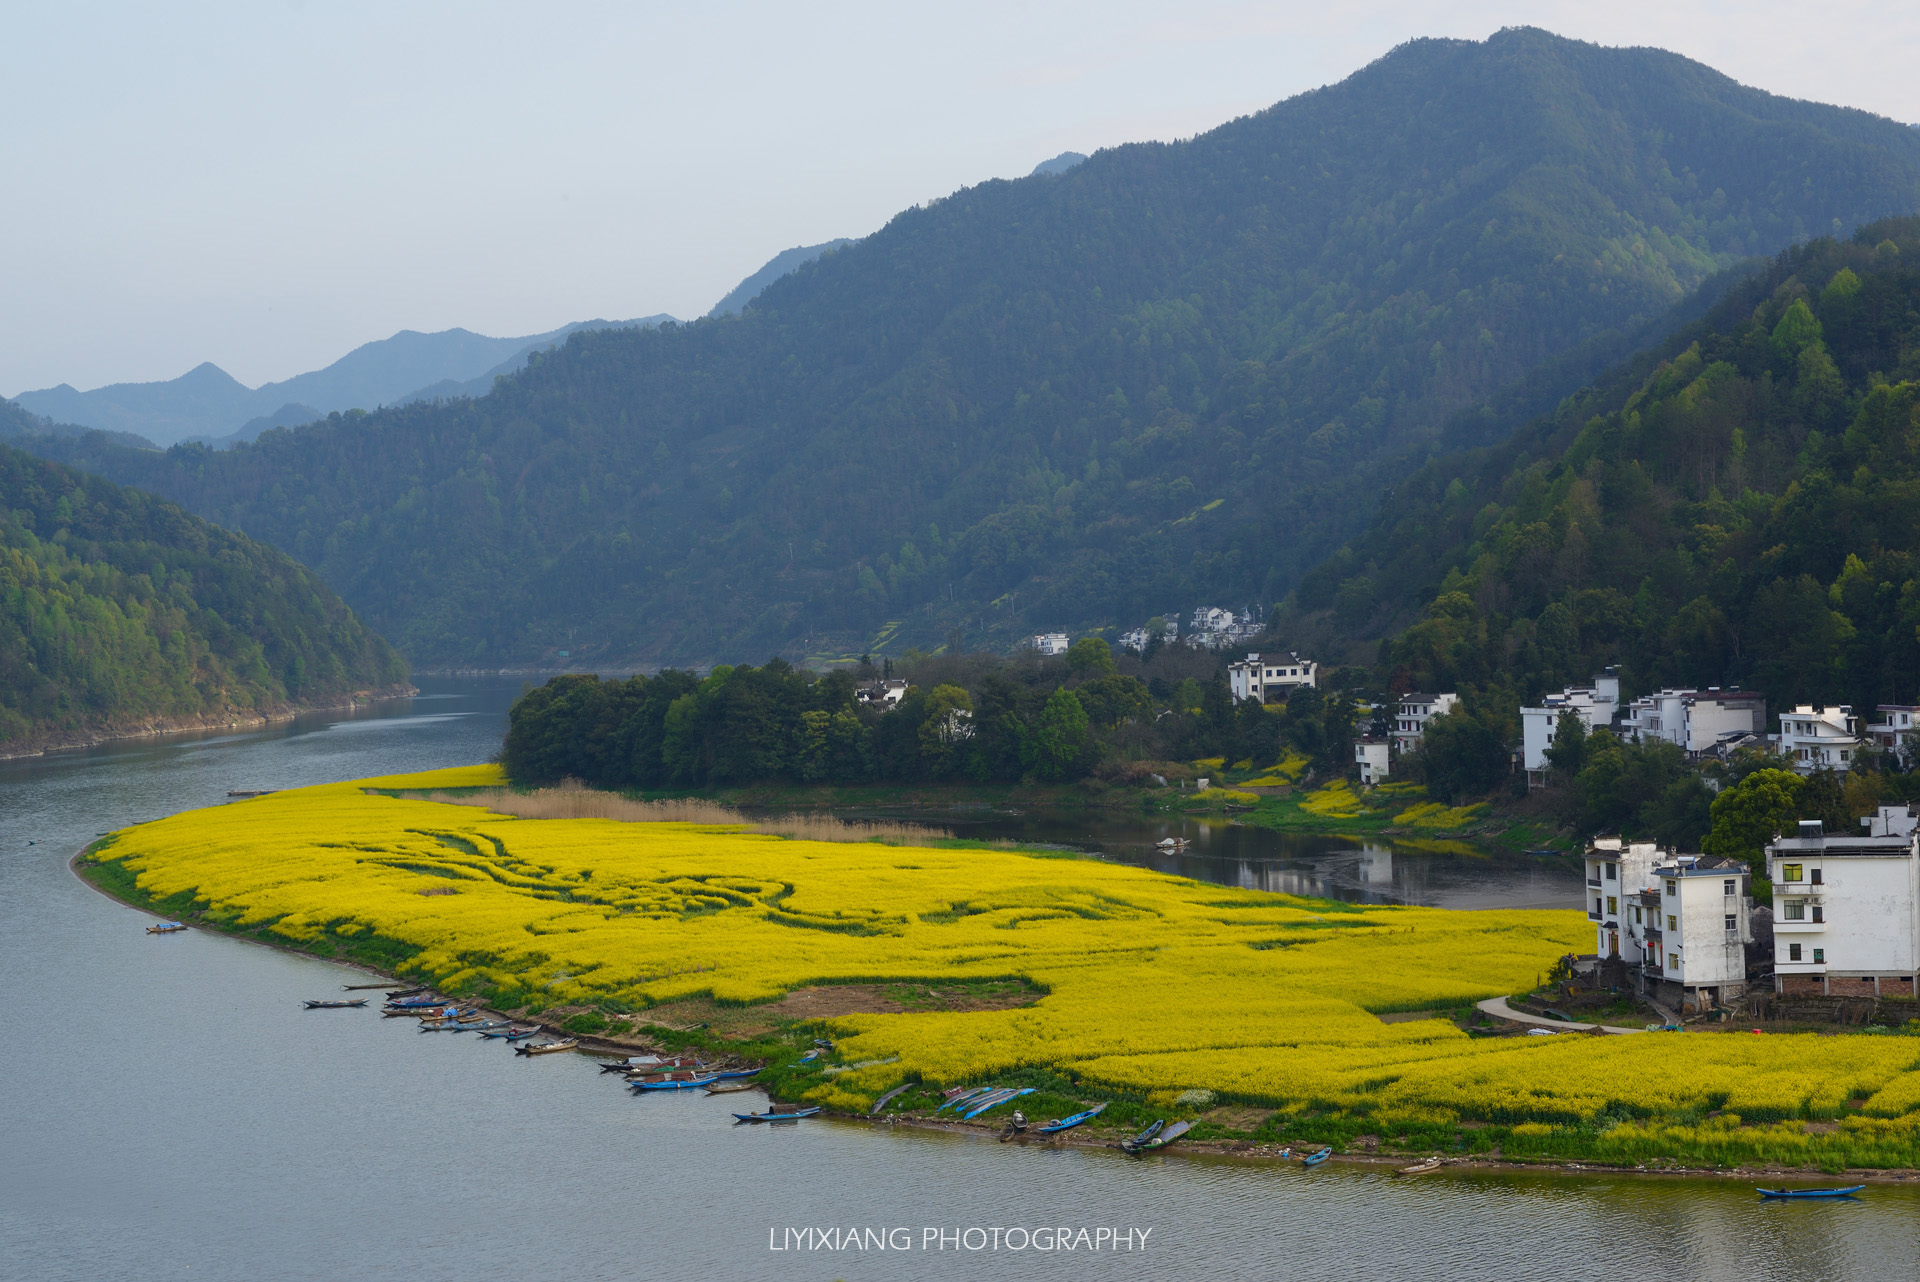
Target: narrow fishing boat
[
  {"x": 691, "y": 1081},
  {"x": 728, "y": 1088},
  {"x": 486, "y": 1027},
  {"x": 792, "y": 1116},
  {"x": 988, "y": 1106},
  {"x": 545, "y": 1048},
  {"x": 336, "y": 1005},
  {"x": 1849, "y": 1191},
  {"x": 510, "y": 1033},
  {"x": 1316, "y": 1157},
  {"x": 166, "y": 927},
  {"x": 1166, "y": 1137},
  {"x": 1068, "y": 1123},
  {"x": 636, "y": 1063},
  {"x": 962, "y": 1098},
  {"x": 1016, "y": 1125},
  {"x": 889, "y": 1097},
  {"x": 356, "y": 988},
  {"x": 983, "y": 1101},
  {"x": 1421, "y": 1168},
  {"x": 1138, "y": 1142},
  {"x": 415, "y": 1003},
  {"x": 395, "y": 994},
  {"x": 733, "y": 1074}
]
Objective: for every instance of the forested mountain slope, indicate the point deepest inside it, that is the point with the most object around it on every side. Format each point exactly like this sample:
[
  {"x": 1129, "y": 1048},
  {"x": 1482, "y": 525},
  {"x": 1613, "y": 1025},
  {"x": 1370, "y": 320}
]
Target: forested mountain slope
[
  {"x": 1741, "y": 506},
  {"x": 1174, "y": 372},
  {"x": 119, "y": 610}
]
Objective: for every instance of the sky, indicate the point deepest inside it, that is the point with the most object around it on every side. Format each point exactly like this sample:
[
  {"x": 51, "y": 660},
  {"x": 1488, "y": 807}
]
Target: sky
[{"x": 268, "y": 185}]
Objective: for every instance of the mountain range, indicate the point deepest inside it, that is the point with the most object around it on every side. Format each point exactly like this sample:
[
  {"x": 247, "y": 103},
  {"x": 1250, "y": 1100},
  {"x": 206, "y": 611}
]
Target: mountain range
[{"x": 1173, "y": 372}]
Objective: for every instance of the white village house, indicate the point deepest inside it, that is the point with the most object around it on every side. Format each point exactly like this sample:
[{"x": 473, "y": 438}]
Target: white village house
[
  {"x": 884, "y": 695},
  {"x": 1212, "y": 628},
  {"x": 1595, "y": 705},
  {"x": 1410, "y": 720},
  {"x": 1049, "y": 644},
  {"x": 1895, "y": 732},
  {"x": 1139, "y": 638},
  {"x": 1811, "y": 737},
  {"x": 1682, "y": 922},
  {"x": 1374, "y": 757},
  {"x": 1696, "y": 720},
  {"x": 1846, "y": 908},
  {"x": 1266, "y": 678}
]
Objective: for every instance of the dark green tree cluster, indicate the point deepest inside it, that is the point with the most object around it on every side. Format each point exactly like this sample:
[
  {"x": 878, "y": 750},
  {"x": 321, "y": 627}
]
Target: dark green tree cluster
[
  {"x": 973, "y": 718},
  {"x": 1176, "y": 373},
  {"x": 118, "y": 608}
]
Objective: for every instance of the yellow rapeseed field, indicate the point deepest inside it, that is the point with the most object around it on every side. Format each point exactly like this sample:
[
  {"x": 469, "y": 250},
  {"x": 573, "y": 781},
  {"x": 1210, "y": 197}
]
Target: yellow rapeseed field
[{"x": 1153, "y": 983}]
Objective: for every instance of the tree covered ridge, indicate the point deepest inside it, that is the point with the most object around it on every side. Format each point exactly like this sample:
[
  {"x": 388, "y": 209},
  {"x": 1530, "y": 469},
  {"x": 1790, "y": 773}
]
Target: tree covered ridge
[
  {"x": 1176, "y": 372},
  {"x": 117, "y": 608},
  {"x": 1740, "y": 507}
]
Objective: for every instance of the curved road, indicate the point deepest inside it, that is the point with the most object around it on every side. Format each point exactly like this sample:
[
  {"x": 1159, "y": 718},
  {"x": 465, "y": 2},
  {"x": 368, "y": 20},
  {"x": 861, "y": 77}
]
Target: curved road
[{"x": 1498, "y": 1008}]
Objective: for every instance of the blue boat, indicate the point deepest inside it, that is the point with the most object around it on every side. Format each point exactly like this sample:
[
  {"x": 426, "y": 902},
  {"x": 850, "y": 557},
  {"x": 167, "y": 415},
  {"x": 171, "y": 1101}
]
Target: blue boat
[
  {"x": 1134, "y": 1145},
  {"x": 732, "y": 1074},
  {"x": 993, "y": 1101},
  {"x": 1849, "y": 1191},
  {"x": 1068, "y": 1123},
  {"x": 690, "y": 1083},
  {"x": 793, "y": 1116},
  {"x": 963, "y": 1098},
  {"x": 1317, "y": 1157}
]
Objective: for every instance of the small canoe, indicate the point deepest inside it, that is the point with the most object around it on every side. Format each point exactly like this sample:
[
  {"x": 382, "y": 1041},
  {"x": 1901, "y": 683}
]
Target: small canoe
[
  {"x": 166, "y": 927},
  {"x": 1141, "y": 1140},
  {"x": 415, "y": 1003},
  {"x": 792, "y": 1116},
  {"x": 545, "y": 1048},
  {"x": 1166, "y": 1137},
  {"x": 735, "y": 1074},
  {"x": 1015, "y": 1126},
  {"x": 356, "y": 988},
  {"x": 1068, "y": 1123},
  {"x": 693, "y": 1082},
  {"x": 987, "y": 1106},
  {"x": 1316, "y": 1157},
  {"x": 336, "y": 1005},
  {"x": 890, "y": 1096},
  {"x": 1421, "y": 1168},
  {"x": 963, "y": 1098},
  {"x": 1849, "y": 1191},
  {"x": 728, "y": 1088},
  {"x": 511, "y": 1034},
  {"x": 395, "y": 994},
  {"x": 644, "y": 1063}
]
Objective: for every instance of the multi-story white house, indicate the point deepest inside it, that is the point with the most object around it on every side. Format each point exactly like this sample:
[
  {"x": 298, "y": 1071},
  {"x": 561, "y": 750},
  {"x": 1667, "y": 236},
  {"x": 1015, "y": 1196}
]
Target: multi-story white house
[
  {"x": 1696, "y": 720},
  {"x": 1811, "y": 737},
  {"x": 1375, "y": 758},
  {"x": 1049, "y": 644},
  {"x": 1682, "y": 921},
  {"x": 1269, "y": 677},
  {"x": 1138, "y": 639},
  {"x": 1410, "y": 721},
  {"x": 1846, "y": 908},
  {"x": 884, "y": 695},
  {"x": 1594, "y": 704},
  {"x": 1896, "y": 730}
]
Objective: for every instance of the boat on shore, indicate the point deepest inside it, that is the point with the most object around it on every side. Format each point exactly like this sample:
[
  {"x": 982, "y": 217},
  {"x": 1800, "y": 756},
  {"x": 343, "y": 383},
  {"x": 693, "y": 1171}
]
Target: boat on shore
[
  {"x": 793, "y": 1115},
  {"x": 1173, "y": 1132},
  {"x": 676, "y": 1082},
  {"x": 1139, "y": 1142},
  {"x": 166, "y": 927},
  {"x": 1068, "y": 1123},
  {"x": 1316, "y": 1157},
  {"x": 1848, "y": 1191},
  {"x": 395, "y": 994},
  {"x": 889, "y": 1097},
  {"x": 546, "y": 1048},
  {"x": 646, "y": 1063},
  {"x": 510, "y": 1034},
  {"x": 332, "y": 1005},
  {"x": 1422, "y": 1167},
  {"x": 992, "y": 1100},
  {"x": 728, "y": 1088}
]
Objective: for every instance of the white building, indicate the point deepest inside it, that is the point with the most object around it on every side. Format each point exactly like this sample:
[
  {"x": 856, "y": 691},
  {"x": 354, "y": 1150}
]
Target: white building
[
  {"x": 1813, "y": 737},
  {"x": 1213, "y": 628},
  {"x": 1895, "y": 731},
  {"x": 1375, "y": 759},
  {"x": 1594, "y": 704},
  {"x": 1683, "y": 921},
  {"x": 1049, "y": 644},
  {"x": 1696, "y": 720},
  {"x": 884, "y": 695},
  {"x": 1846, "y": 908},
  {"x": 1138, "y": 639},
  {"x": 1263, "y": 679},
  {"x": 1410, "y": 722}
]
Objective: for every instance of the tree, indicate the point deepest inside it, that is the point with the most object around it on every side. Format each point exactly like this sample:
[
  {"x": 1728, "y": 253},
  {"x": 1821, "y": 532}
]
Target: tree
[
  {"x": 1461, "y": 757},
  {"x": 948, "y": 724},
  {"x": 1052, "y": 747},
  {"x": 1090, "y": 657},
  {"x": 1568, "y": 751},
  {"x": 1752, "y": 813}
]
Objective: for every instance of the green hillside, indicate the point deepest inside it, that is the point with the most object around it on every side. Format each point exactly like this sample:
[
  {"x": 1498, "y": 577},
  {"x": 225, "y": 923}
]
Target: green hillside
[
  {"x": 117, "y": 610},
  {"x": 1739, "y": 506},
  {"x": 1175, "y": 373}
]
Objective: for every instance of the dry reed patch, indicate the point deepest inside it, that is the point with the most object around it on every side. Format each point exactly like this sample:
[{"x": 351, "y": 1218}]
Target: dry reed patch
[
  {"x": 572, "y": 801},
  {"x": 1238, "y": 1117}
]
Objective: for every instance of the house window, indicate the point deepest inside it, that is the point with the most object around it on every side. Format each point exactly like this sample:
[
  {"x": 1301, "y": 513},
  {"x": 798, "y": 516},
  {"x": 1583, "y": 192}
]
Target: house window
[
  {"x": 1611, "y": 868},
  {"x": 1596, "y": 905},
  {"x": 1673, "y": 961},
  {"x": 1789, "y": 872},
  {"x": 1794, "y": 910},
  {"x": 1819, "y": 913},
  {"x": 1637, "y": 917},
  {"x": 1793, "y": 952},
  {"x": 1733, "y": 922},
  {"x": 1673, "y": 923},
  {"x": 1673, "y": 887},
  {"x": 1613, "y": 906},
  {"x": 1814, "y": 876},
  {"x": 1728, "y": 886},
  {"x": 1819, "y": 956}
]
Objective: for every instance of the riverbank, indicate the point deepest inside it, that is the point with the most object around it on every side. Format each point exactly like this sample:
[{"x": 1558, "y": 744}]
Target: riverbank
[{"x": 227, "y": 719}]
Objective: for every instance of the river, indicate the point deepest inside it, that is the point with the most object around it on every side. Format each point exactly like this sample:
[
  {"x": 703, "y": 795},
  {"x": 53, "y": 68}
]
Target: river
[{"x": 169, "y": 1111}]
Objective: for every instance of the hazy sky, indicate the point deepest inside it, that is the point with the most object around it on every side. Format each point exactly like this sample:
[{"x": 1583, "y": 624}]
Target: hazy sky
[{"x": 268, "y": 185}]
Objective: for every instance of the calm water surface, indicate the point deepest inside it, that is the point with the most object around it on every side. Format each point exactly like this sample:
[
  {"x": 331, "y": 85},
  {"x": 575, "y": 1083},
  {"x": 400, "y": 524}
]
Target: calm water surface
[{"x": 169, "y": 1112}]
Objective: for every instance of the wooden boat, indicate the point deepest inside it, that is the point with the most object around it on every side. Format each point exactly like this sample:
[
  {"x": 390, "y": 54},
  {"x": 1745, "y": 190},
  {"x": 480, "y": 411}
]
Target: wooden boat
[
  {"x": 415, "y": 1003},
  {"x": 1016, "y": 1125},
  {"x": 546, "y": 1048},
  {"x": 336, "y": 1005},
  {"x": 1421, "y": 1168},
  {"x": 1068, "y": 1123},
  {"x": 1139, "y": 1141},
  {"x": 734, "y": 1074},
  {"x": 986, "y": 1098},
  {"x": 486, "y": 1026},
  {"x": 792, "y": 1116},
  {"x": 510, "y": 1033},
  {"x": 728, "y": 1088},
  {"x": 986, "y": 1106},
  {"x": 643, "y": 1063},
  {"x": 1849, "y": 1191},
  {"x": 166, "y": 927},
  {"x": 890, "y": 1096},
  {"x": 1316, "y": 1157},
  {"x": 1165, "y": 1137},
  {"x": 395, "y": 994},
  {"x": 361, "y": 988},
  {"x": 692, "y": 1081}
]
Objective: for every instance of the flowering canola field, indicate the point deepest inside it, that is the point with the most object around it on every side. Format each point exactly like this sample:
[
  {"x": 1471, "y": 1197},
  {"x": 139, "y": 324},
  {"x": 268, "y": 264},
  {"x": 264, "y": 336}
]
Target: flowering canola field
[{"x": 1154, "y": 984}]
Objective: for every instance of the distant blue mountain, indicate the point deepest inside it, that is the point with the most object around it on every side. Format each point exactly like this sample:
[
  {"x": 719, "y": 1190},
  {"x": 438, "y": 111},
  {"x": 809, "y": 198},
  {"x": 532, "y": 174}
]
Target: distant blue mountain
[
  {"x": 208, "y": 403},
  {"x": 781, "y": 264},
  {"x": 1058, "y": 165}
]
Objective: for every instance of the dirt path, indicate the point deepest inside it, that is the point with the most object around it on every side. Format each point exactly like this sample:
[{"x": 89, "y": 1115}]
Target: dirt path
[{"x": 1498, "y": 1008}]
